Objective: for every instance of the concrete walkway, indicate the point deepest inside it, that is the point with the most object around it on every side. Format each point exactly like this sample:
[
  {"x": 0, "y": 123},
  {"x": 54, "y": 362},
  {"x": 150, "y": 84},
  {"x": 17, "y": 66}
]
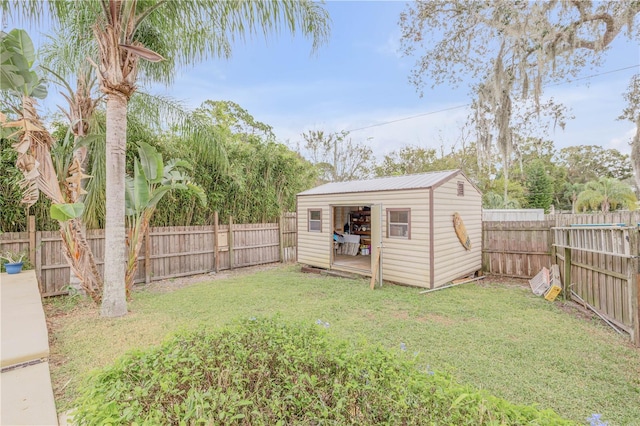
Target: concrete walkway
[{"x": 25, "y": 382}]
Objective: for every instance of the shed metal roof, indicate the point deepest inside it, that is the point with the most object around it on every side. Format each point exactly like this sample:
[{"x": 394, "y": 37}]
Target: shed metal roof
[{"x": 393, "y": 183}]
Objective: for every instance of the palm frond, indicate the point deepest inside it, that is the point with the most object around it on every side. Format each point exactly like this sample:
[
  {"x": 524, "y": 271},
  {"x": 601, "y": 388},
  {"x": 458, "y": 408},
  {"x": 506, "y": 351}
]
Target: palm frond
[
  {"x": 162, "y": 113},
  {"x": 65, "y": 52}
]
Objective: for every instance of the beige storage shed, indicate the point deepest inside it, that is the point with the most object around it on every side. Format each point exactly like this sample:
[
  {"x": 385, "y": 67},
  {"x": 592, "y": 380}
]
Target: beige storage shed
[{"x": 409, "y": 219}]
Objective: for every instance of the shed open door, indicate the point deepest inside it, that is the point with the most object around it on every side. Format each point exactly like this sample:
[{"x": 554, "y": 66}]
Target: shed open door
[{"x": 376, "y": 242}]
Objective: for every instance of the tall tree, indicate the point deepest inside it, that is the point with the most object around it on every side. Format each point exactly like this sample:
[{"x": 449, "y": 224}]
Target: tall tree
[
  {"x": 584, "y": 163},
  {"x": 166, "y": 34},
  {"x": 337, "y": 157},
  {"x": 509, "y": 49},
  {"x": 632, "y": 113},
  {"x": 516, "y": 193},
  {"x": 539, "y": 186},
  {"x": 408, "y": 160},
  {"x": 262, "y": 177}
]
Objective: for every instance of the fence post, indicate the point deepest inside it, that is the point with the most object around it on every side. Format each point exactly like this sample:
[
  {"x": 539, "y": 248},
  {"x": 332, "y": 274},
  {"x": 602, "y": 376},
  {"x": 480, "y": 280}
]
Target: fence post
[
  {"x": 281, "y": 235},
  {"x": 216, "y": 247},
  {"x": 566, "y": 285},
  {"x": 634, "y": 281},
  {"x": 147, "y": 255},
  {"x": 635, "y": 302},
  {"x": 483, "y": 258},
  {"x": 552, "y": 248},
  {"x": 31, "y": 227},
  {"x": 230, "y": 239},
  {"x": 38, "y": 262}
]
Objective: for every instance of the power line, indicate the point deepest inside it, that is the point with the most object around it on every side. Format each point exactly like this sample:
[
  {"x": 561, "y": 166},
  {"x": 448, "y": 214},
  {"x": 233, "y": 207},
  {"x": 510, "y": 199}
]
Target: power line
[
  {"x": 466, "y": 105},
  {"x": 409, "y": 118},
  {"x": 591, "y": 76}
]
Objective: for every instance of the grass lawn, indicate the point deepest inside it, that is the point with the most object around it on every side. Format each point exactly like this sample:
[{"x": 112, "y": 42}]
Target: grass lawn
[{"x": 497, "y": 337}]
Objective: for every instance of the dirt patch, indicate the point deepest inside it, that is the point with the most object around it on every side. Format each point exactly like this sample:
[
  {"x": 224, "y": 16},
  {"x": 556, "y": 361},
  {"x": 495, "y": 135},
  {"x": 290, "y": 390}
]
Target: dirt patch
[
  {"x": 440, "y": 319},
  {"x": 403, "y": 315},
  {"x": 502, "y": 280},
  {"x": 172, "y": 284},
  {"x": 577, "y": 310}
]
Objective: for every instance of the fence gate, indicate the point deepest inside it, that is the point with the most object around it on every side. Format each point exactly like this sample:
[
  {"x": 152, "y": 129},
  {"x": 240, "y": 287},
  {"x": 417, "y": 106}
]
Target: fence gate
[{"x": 599, "y": 268}]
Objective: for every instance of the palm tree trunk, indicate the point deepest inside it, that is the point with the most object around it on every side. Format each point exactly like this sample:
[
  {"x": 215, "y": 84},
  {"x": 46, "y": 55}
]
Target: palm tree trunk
[{"x": 114, "y": 301}]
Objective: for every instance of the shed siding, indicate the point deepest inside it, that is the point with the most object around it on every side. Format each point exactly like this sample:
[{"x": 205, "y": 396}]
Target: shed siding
[
  {"x": 404, "y": 261},
  {"x": 314, "y": 248},
  {"x": 450, "y": 258}
]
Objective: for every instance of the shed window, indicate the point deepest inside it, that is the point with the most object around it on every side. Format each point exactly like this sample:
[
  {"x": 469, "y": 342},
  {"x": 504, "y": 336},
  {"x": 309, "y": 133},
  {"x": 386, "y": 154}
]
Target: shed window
[
  {"x": 460, "y": 189},
  {"x": 315, "y": 220},
  {"x": 399, "y": 223}
]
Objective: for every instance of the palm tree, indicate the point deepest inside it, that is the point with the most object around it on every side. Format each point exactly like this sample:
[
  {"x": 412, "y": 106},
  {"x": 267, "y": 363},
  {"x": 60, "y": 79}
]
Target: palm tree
[
  {"x": 167, "y": 34},
  {"x": 606, "y": 194}
]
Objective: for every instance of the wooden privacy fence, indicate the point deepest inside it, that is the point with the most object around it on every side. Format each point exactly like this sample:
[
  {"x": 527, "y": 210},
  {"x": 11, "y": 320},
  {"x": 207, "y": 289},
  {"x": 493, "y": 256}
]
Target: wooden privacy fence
[
  {"x": 521, "y": 248},
  {"x": 167, "y": 252},
  {"x": 598, "y": 264},
  {"x": 599, "y": 268},
  {"x": 516, "y": 249}
]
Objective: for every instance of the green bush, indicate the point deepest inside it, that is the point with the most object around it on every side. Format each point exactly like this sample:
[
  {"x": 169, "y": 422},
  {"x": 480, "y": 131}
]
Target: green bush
[{"x": 265, "y": 372}]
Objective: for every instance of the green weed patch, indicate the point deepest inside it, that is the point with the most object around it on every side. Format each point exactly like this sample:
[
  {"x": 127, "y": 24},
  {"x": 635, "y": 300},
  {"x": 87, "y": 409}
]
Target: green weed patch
[{"x": 269, "y": 372}]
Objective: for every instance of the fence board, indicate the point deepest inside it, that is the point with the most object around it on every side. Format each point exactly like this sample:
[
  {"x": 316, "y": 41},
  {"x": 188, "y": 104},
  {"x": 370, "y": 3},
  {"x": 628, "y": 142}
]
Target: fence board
[
  {"x": 604, "y": 268},
  {"x": 289, "y": 237},
  {"x": 627, "y": 218},
  {"x": 518, "y": 249}
]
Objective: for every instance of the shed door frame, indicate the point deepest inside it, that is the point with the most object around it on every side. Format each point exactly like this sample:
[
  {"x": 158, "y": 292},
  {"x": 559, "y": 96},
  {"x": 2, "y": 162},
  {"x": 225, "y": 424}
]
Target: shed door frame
[
  {"x": 376, "y": 239},
  {"x": 332, "y": 218}
]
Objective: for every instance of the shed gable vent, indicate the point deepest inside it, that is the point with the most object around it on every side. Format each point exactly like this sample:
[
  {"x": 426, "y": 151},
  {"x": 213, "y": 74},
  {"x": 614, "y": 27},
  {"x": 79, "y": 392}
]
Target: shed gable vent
[{"x": 460, "y": 189}]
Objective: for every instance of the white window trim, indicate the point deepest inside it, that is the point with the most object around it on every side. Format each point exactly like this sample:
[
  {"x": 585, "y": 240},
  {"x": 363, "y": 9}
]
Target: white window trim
[
  {"x": 407, "y": 224},
  {"x": 309, "y": 220}
]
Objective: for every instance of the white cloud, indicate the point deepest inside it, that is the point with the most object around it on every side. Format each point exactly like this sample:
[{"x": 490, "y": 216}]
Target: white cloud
[
  {"x": 391, "y": 47},
  {"x": 622, "y": 142}
]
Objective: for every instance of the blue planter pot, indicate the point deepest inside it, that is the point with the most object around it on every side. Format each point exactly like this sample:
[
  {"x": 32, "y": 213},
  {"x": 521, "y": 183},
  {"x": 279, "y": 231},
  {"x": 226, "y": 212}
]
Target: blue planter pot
[{"x": 13, "y": 268}]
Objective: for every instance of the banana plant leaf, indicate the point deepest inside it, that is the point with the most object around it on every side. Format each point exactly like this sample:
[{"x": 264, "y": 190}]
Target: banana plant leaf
[
  {"x": 64, "y": 212},
  {"x": 137, "y": 192},
  {"x": 17, "y": 56},
  {"x": 151, "y": 162}
]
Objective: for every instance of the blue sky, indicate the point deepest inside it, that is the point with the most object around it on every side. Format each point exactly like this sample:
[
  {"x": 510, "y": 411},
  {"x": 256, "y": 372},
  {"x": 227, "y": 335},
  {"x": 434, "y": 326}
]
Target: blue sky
[{"x": 359, "y": 79}]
